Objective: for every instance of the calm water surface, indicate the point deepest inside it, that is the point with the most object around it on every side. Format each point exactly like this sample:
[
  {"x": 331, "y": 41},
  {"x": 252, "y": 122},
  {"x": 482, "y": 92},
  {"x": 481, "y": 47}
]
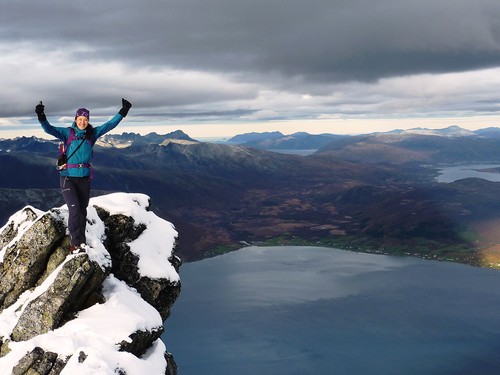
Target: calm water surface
[
  {"x": 451, "y": 174},
  {"x": 306, "y": 310}
]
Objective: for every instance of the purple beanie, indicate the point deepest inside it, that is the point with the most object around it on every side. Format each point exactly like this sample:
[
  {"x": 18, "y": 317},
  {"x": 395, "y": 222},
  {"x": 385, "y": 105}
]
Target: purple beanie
[{"x": 83, "y": 112}]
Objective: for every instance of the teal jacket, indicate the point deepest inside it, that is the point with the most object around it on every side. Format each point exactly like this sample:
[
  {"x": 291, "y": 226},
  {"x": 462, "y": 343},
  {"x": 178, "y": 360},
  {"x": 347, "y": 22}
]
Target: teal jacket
[{"x": 84, "y": 154}]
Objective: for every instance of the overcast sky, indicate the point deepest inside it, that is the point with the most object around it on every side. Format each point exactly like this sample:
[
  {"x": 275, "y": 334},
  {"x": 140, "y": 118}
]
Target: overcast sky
[{"x": 224, "y": 67}]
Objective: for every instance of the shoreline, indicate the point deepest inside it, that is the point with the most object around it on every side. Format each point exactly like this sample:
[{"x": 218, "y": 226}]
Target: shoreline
[{"x": 476, "y": 257}]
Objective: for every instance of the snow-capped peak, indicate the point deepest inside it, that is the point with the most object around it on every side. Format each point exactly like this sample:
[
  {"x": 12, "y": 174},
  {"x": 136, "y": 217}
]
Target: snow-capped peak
[{"x": 451, "y": 131}]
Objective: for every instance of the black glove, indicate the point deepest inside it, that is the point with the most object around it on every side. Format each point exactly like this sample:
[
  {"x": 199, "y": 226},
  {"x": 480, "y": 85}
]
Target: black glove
[
  {"x": 125, "y": 107},
  {"x": 39, "y": 111},
  {"x": 89, "y": 132}
]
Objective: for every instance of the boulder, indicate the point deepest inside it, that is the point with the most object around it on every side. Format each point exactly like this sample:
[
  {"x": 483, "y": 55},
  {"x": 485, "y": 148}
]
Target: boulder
[
  {"x": 25, "y": 259},
  {"x": 38, "y": 361},
  {"x": 74, "y": 283}
]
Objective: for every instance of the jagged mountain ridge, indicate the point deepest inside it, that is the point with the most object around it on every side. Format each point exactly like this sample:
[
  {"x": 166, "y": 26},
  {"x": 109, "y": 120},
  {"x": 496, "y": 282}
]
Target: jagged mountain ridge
[
  {"x": 35, "y": 144},
  {"x": 128, "y": 139}
]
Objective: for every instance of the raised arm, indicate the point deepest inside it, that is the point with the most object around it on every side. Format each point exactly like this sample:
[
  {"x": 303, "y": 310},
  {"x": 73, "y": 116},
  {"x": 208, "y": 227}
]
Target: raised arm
[
  {"x": 59, "y": 133},
  {"x": 111, "y": 124}
]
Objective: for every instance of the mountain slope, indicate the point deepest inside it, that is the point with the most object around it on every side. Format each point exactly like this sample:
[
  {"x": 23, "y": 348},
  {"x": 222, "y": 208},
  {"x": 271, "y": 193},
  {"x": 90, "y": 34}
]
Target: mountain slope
[
  {"x": 278, "y": 141},
  {"x": 401, "y": 148},
  {"x": 209, "y": 190},
  {"x": 221, "y": 194}
]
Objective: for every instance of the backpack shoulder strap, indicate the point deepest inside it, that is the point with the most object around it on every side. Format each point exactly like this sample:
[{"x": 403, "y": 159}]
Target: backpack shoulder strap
[
  {"x": 91, "y": 141},
  {"x": 63, "y": 146},
  {"x": 71, "y": 136}
]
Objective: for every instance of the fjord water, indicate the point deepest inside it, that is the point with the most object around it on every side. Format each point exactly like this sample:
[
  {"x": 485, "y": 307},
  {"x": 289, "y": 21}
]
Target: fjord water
[
  {"x": 458, "y": 172},
  {"x": 309, "y": 310}
]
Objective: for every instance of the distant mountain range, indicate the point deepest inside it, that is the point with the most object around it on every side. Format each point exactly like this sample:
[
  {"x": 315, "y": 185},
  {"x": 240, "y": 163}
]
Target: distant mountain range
[
  {"x": 451, "y": 131},
  {"x": 373, "y": 192},
  {"x": 305, "y": 141},
  {"x": 449, "y": 145},
  {"x": 127, "y": 139},
  {"x": 279, "y": 141}
]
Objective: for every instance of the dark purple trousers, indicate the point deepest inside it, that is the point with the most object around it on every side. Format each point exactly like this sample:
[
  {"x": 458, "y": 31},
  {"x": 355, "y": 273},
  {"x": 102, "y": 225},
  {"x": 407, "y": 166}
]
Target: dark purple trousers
[{"x": 76, "y": 193}]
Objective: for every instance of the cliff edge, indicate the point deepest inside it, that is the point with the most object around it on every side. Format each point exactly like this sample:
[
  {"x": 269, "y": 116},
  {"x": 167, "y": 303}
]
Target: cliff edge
[{"x": 99, "y": 312}]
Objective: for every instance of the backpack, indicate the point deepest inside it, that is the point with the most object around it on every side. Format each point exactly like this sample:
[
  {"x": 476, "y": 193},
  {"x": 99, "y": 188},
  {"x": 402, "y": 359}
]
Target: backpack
[{"x": 62, "y": 160}]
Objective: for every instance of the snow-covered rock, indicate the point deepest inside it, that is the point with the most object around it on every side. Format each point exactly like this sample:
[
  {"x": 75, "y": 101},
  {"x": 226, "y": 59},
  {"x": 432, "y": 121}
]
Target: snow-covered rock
[
  {"x": 100, "y": 312},
  {"x": 450, "y": 131}
]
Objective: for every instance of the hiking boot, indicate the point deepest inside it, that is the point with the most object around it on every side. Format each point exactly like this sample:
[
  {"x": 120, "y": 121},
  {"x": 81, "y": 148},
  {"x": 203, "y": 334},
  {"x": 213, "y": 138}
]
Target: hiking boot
[{"x": 74, "y": 249}]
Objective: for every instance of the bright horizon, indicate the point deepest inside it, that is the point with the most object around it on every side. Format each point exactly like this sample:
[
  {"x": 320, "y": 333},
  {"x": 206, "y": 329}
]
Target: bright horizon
[{"x": 329, "y": 126}]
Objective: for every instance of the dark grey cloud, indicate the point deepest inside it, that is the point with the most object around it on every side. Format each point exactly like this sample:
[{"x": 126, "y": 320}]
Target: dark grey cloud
[
  {"x": 95, "y": 52},
  {"x": 200, "y": 115},
  {"x": 320, "y": 39}
]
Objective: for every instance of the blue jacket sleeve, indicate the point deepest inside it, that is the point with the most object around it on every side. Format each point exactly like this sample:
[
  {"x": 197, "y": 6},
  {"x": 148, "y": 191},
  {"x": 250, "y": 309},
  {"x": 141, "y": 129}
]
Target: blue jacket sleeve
[
  {"x": 107, "y": 126},
  {"x": 60, "y": 133}
]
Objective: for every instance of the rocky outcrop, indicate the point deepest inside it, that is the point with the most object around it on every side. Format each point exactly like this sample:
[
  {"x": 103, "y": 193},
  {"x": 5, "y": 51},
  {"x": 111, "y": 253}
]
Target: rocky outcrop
[
  {"x": 39, "y": 361},
  {"x": 24, "y": 262},
  {"x": 64, "y": 314},
  {"x": 70, "y": 289},
  {"x": 120, "y": 230}
]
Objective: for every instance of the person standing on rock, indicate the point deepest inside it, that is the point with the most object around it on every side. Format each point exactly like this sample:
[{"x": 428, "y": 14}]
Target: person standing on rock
[{"x": 76, "y": 172}]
